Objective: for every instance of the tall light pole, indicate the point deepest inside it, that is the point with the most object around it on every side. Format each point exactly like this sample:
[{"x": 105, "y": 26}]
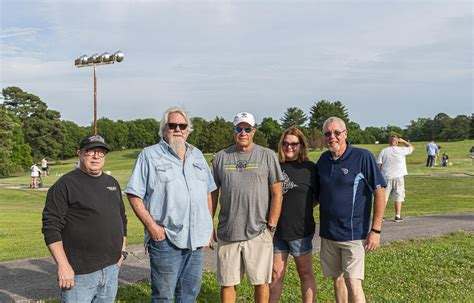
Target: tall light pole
[{"x": 95, "y": 60}]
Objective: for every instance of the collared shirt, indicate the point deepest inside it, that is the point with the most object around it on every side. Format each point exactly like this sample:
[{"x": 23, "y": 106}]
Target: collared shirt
[
  {"x": 175, "y": 193},
  {"x": 431, "y": 149},
  {"x": 345, "y": 193}
]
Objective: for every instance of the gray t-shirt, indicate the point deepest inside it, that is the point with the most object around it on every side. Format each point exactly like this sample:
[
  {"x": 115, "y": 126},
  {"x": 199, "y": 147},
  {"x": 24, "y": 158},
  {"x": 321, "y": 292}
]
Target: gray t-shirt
[{"x": 245, "y": 179}]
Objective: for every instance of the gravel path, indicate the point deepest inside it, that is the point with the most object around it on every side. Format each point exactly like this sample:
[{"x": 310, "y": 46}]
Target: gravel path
[{"x": 35, "y": 279}]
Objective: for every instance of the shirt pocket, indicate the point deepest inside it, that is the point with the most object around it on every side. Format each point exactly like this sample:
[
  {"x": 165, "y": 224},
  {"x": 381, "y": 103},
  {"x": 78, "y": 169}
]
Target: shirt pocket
[
  {"x": 165, "y": 172},
  {"x": 200, "y": 169}
]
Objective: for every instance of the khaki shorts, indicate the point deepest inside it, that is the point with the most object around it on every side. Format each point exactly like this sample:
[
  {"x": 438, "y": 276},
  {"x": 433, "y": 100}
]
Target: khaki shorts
[
  {"x": 396, "y": 187},
  {"x": 254, "y": 257},
  {"x": 344, "y": 258}
]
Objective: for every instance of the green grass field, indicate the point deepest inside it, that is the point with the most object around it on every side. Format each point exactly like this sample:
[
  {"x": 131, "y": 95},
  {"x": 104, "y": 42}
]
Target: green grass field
[
  {"x": 427, "y": 270},
  {"x": 429, "y": 191}
]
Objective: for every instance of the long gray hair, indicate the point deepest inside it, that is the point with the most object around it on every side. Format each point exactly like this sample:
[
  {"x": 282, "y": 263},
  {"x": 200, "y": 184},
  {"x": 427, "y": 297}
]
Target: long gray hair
[{"x": 171, "y": 110}]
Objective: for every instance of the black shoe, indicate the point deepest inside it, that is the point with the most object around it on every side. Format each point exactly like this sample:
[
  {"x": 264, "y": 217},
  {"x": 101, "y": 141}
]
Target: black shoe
[{"x": 398, "y": 219}]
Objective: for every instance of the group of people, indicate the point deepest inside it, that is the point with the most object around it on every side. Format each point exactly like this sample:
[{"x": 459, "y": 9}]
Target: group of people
[
  {"x": 266, "y": 213},
  {"x": 433, "y": 152}
]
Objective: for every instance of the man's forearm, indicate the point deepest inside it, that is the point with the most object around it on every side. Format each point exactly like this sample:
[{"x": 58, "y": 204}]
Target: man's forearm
[
  {"x": 276, "y": 202},
  {"x": 59, "y": 255},
  {"x": 379, "y": 208},
  {"x": 215, "y": 199}
]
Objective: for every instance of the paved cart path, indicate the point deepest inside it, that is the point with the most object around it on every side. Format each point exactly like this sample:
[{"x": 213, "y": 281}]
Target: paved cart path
[{"x": 34, "y": 279}]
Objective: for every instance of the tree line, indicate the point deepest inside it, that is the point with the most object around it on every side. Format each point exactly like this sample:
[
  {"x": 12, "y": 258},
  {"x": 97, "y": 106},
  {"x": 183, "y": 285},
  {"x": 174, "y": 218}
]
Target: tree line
[{"x": 31, "y": 131}]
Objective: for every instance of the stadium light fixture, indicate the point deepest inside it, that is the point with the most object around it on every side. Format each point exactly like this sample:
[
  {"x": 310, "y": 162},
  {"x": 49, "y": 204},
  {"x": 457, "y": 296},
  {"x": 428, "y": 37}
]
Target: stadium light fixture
[{"x": 94, "y": 60}]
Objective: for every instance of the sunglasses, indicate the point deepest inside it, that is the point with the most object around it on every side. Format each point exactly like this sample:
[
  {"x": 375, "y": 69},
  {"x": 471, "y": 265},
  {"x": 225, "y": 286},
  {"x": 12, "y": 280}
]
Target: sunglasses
[
  {"x": 336, "y": 133},
  {"x": 173, "y": 126},
  {"x": 292, "y": 144},
  {"x": 238, "y": 130}
]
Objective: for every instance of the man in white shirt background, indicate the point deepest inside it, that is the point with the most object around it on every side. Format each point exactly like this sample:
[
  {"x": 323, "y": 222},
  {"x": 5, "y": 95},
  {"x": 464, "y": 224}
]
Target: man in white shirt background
[{"x": 392, "y": 164}]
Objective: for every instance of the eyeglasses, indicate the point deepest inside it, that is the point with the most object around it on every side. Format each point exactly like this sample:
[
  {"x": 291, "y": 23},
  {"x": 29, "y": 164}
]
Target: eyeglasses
[
  {"x": 173, "y": 126},
  {"x": 336, "y": 133},
  {"x": 238, "y": 129},
  {"x": 92, "y": 152},
  {"x": 292, "y": 144}
]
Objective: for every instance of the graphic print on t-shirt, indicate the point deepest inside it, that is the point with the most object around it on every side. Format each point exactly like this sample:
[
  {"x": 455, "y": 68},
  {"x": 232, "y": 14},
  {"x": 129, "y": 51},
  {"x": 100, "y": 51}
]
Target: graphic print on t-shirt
[
  {"x": 240, "y": 165},
  {"x": 287, "y": 183}
]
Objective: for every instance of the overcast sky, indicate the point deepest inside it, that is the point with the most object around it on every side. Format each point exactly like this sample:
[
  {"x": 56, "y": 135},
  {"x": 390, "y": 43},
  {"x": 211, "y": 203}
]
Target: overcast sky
[{"x": 388, "y": 62}]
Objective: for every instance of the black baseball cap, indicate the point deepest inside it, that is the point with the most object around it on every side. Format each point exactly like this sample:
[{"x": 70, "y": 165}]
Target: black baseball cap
[{"x": 93, "y": 141}]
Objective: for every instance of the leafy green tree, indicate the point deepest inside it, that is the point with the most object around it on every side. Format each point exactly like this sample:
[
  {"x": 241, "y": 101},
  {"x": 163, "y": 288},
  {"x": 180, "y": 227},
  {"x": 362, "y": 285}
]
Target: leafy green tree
[
  {"x": 293, "y": 117},
  {"x": 260, "y": 139},
  {"x": 218, "y": 135},
  {"x": 441, "y": 127},
  {"x": 315, "y": 138},
  {"x": 272, "y": 131},
  {"x": 356, "y": 134},
  {"x": 114, "y": 133},
  {"x": 420, "y": 130},
  {"x": 322, "y": 110},
  {"x": 14, "y": 153},
  {"x": 376, "y": 134},
  {"x": 459, "y": 129},
  {"x": 42, "y": 128},
  {"x": 142, "y": 132},
  {"x": 471, "y": 127},
  {"x": 199, "y": 135},
  {"x": 73, "y": 134}
]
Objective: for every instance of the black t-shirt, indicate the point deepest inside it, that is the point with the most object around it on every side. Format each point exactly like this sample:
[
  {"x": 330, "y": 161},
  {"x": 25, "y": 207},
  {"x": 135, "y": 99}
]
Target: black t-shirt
[
  {"x": 299, "y": 189},
  {"x": 87, "y": 214}
]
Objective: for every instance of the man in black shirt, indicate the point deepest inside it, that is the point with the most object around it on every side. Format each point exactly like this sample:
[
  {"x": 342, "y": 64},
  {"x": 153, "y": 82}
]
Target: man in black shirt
[{"x": 84, "y": 227}]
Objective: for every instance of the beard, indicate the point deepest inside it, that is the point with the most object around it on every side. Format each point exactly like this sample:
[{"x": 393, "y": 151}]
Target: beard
[{"x": 177, "y": 144}]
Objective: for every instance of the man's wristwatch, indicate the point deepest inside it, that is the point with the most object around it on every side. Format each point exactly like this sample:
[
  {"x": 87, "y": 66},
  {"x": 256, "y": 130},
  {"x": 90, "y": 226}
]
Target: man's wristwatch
[
  {"x": 377, "y": 231},
  {"x": 272, "y": 228},
  {"x": 124, "y": 254}
]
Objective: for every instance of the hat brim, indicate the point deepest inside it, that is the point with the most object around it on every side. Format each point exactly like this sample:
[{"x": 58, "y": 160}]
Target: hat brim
[{"x": 95, "y": 144}]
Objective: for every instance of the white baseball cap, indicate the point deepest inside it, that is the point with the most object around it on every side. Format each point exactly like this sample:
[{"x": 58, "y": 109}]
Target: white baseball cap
[{"x": 244, "y": 117}]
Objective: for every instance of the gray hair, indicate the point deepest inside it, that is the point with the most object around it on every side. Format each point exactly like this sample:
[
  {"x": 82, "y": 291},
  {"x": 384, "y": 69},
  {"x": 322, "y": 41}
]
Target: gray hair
[
  {"x": 171, "y": 110},
  {"x": 334, "y": 119}
]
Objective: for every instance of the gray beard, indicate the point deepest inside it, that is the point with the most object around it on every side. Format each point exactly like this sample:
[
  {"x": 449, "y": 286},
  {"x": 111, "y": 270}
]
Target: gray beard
[{"x": 177, "y": 144}]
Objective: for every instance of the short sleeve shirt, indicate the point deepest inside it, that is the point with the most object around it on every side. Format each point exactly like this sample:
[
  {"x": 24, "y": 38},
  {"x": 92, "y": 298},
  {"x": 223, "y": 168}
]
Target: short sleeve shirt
[
  {"x": 299, "y": 193},
  {"x": 245, "y": 180},
  {"x": 346, "y": 186},
  {"x": 175, "y": 193}
]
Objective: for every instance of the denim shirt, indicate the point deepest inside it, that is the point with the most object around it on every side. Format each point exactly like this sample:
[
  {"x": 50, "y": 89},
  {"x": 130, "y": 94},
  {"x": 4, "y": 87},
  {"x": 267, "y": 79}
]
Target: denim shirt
[{"x": 175, "y": 193}]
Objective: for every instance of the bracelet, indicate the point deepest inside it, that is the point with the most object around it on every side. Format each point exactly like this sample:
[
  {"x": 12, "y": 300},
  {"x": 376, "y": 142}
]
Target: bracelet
[{"x": 376, "y": 231}]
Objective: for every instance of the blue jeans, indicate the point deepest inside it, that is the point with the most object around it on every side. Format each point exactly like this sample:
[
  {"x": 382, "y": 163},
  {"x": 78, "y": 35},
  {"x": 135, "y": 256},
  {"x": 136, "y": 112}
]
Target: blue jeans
[
  {"x": 175, "y": 272},
  {"x": 97, "y": 286}
]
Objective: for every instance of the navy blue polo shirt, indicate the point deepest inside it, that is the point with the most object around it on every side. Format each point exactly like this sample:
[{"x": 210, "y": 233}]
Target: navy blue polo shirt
[{"x": 345, "y": 193}]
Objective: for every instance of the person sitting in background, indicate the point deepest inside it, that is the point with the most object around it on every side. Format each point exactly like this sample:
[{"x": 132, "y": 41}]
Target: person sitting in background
[{"x": 445, "y": 159}]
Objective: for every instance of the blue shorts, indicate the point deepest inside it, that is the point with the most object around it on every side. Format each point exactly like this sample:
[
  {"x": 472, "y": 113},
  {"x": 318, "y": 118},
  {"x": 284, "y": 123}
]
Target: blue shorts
[{"x": 296, "y": 248}]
